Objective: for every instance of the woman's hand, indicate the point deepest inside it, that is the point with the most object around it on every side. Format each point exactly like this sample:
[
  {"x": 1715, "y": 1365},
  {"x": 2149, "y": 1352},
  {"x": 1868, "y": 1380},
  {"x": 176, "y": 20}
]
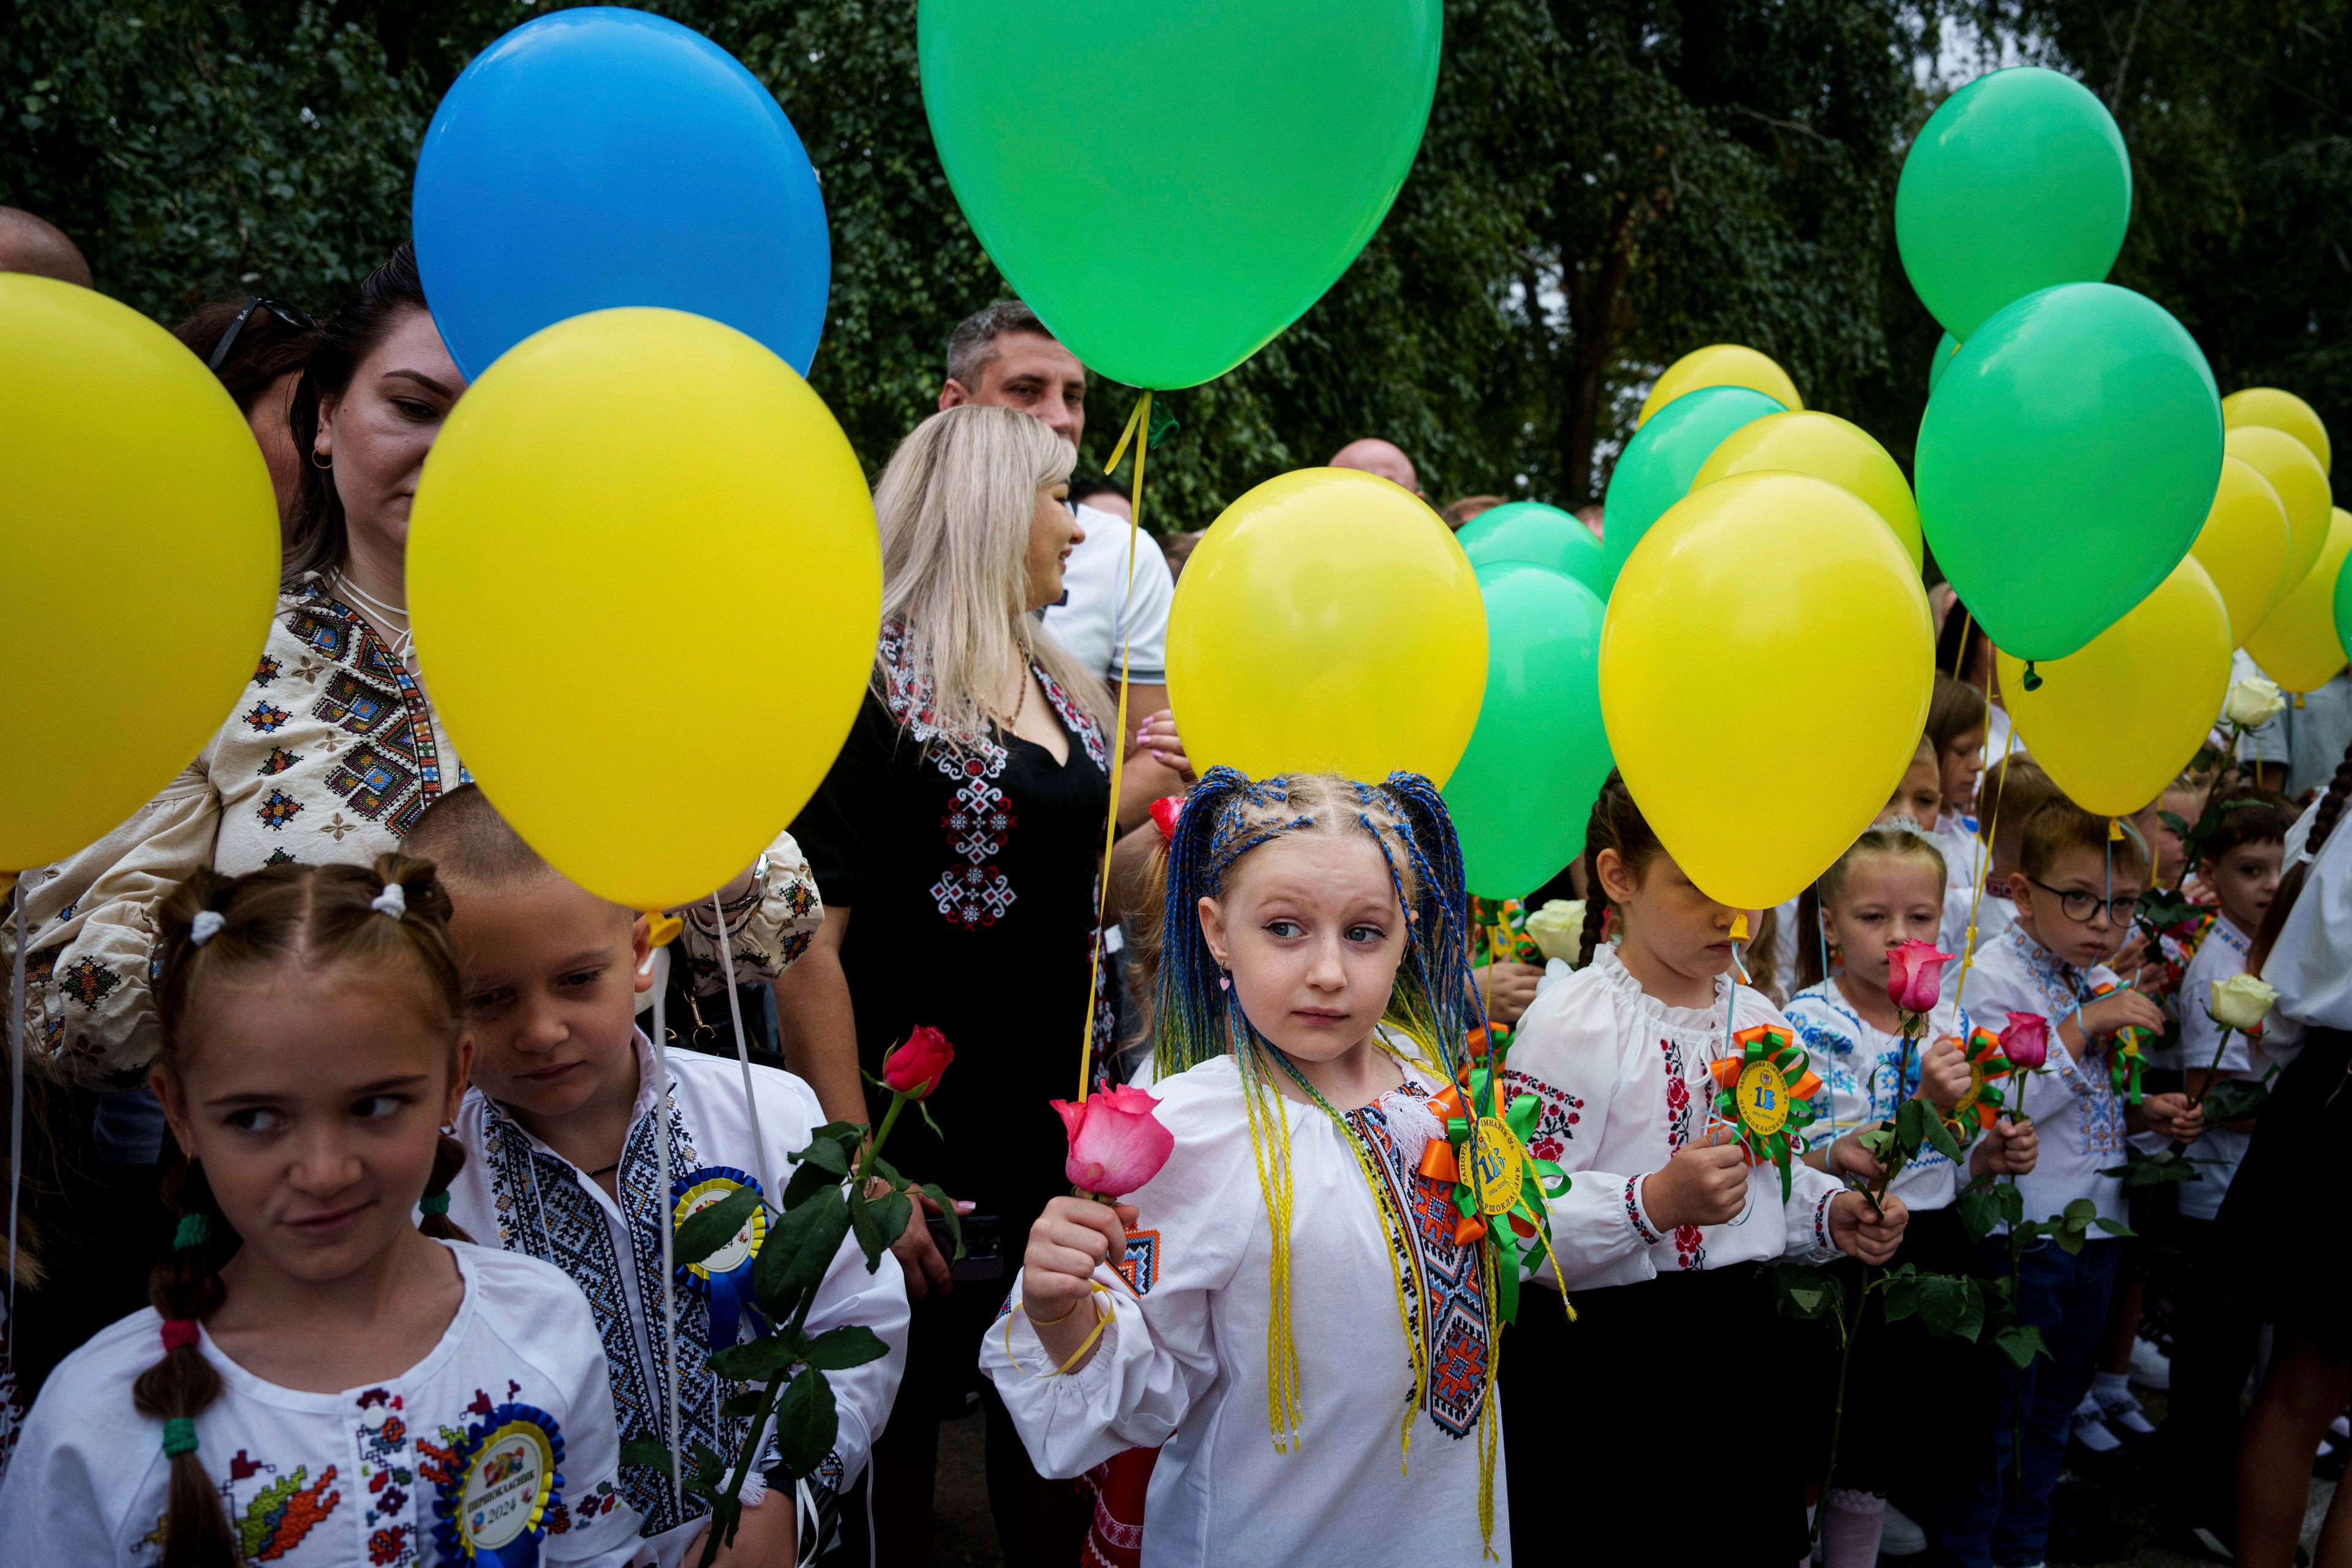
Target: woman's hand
[
  {"x": 1070, "y": 1240},
  {"x": 1508, "y": 988},
  {"x": 919, "y": 1258},
  {"x": 1860, "y": 1231},
  {"x": 1704, "y": 1183},
  {"x": 2172, "y": 1115},
  {"x": 1944, "y": 1075},
  {"x": 1158, "y": 736},
  {"x": 2007, "y": 1149}
]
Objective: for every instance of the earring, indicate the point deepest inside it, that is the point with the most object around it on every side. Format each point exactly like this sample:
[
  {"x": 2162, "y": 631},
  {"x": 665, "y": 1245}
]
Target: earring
[
  {"x": 1224, "y": 979},
  {"x": 317, "y": 462}
]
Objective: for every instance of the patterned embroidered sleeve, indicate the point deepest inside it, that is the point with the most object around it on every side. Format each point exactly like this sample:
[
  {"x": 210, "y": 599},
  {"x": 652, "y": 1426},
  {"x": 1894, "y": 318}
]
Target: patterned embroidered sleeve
[
  {"x": 1158, "y": 1357},
  {"x": 1567, "y": 1052},
  {"x": 769, "y": 925},
  {"x": 89, "y": 1007}
]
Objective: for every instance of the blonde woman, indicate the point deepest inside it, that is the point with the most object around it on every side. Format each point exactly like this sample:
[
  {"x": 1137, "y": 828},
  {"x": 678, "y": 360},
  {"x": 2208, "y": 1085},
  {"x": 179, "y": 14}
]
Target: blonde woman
[{"x": 955, "y": 842}]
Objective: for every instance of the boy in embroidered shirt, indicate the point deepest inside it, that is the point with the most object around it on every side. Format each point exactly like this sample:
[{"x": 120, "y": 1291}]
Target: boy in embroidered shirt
[
  {"x": 2074, "y": 891},
  {"x": 2213, "y": 1337},
  {"x": 560, "y": 1127},
  {"x": 2011, "y": 793}
]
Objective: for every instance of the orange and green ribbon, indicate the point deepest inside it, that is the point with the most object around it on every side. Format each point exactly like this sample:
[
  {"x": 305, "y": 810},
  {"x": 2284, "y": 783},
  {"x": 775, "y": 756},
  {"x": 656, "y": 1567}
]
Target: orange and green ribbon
[
  {"x": 1767, "y": 1092},
  {"x": 1987, "y": 1065},
  {"x": 1495, "y": 1175},
  {"x": 2128, "y": 1056}
]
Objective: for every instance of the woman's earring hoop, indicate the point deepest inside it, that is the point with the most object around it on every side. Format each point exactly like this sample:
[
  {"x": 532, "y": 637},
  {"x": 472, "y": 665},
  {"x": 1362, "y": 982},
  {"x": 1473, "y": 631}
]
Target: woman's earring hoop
[{"x": 318, "y": 462}]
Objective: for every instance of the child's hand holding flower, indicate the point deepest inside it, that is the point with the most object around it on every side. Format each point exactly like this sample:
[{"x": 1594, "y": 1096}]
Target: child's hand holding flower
[{"x": 1944, "y": 1074}]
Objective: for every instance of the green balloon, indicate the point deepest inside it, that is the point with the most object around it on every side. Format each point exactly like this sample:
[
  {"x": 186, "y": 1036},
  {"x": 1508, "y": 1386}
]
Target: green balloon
[
  {"x": 2343, "y": 606},
  {"x": 1530, "y": 530},
  {"x": 1524, "y": 790},
  {"x": 1665, "y": 453},
  {"x": 1245, "y": 152},
  {"x": 1945, "y": 347},
  {"x": 2018, "y": 182},
  {"x": 2066, "y": 463}
]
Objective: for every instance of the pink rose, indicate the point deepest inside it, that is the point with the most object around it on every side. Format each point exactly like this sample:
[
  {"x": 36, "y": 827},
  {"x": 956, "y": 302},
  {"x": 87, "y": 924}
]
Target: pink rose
[
  {"x": 914, "y": 1069},
  {"x": 1116, "y": 1143},
  {"x": 1915, "y": 975},
  {"x": 2026, "y": 1041}
]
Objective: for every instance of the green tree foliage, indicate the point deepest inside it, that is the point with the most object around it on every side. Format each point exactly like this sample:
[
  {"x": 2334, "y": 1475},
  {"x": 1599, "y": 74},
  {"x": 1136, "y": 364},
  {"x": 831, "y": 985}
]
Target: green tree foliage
[{"x": 1605, "y": 185}]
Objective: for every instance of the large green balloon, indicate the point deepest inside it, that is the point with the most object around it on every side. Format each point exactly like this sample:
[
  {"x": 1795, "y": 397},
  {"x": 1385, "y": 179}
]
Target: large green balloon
[
  {"x": 1245, "y": 152},
  {"x": 2018, "y": 182},
  {"x": 1523, "y": 791},
  {"x": 2066, "y": 463},
  {"x": 1665, "y": 453},
  {"x": 2343, "y": 611},
  {"x": 1945, "y": 347},
  {"x": 1530, "y": 530}
]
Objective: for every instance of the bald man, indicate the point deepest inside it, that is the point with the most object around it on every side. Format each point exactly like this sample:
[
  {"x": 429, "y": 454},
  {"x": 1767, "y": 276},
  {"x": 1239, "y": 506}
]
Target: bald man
[
  {"x": 1374, "y": 456},
  {"x": 35, "y": 245}
]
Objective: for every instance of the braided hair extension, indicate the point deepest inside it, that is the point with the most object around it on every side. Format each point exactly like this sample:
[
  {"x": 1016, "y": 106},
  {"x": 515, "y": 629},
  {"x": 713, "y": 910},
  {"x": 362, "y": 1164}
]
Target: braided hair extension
[
  {"x": 393, "y": 914},
  {"x": 2290, "y": 887}
]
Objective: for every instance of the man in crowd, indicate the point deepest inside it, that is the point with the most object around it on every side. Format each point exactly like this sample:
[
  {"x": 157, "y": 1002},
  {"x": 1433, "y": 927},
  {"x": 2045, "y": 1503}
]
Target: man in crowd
[
  {"x": 35, "y": 245},
  {"x": 1374, "y": 456}
]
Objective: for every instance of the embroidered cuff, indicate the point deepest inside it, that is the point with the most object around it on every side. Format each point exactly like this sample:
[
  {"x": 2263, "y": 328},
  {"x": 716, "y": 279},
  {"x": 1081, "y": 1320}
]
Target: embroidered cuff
[
  {"x": 817, "y": 1501},
  {"x": 1639, "y": 1217},
  {"x": 1821, "y": 1241}
]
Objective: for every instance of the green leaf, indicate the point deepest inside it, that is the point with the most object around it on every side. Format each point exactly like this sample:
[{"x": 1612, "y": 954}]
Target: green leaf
[
  {"x": 827, "y": 1155},
  {"x": 799, "y": 1251},
  {"x": 888, "y": 1171},
  {"x": 708, "y": 1230},
  {"x": 1979, "y": 1208},
  {"x": 2078, "y": 1213},
  {"x": 868, "y": 1227},
  {"x": 648, "y": 1451},
  {"x": 892, "y": 1212},
  {"x": 742, "y": 1408},
  {"x": 807, "y": 1180},
  {"x": 2113, "y": 1227},
  {"x": 1939, "y": 1134},
  {"x": 954, "y": 1222},
  {"x": 806, "y": 1423},
  {"x": 1901, "y": 1300},
  {"x": 1911, "y": 1119},
  {"x": 2232, "y": 1099},
  {"x": 755, "y": 1360},
  {"x": 838, "y": 1350},
  {"x": 2069, "y": 1240},
  {"x": 1806, "y": 1293},
  {"x": 2021, "y": 1342},
  {"x": 2012, "y": 1202}
]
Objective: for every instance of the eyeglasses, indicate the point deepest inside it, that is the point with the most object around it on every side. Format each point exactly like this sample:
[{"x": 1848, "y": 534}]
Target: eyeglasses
[
  {"x": 293, "y": 316},
  {"x": 2081, "y": 907}
]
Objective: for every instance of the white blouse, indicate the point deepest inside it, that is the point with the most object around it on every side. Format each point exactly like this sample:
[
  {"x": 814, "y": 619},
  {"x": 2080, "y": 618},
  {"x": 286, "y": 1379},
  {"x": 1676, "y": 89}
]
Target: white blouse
[
  {"x": 1858, "y": 1061},
  {"x": 517, "y": 1194},
  {"x": 1181, "y": 1366},
  {"x": 324, "y": 1480},
  {"x": 2073, "y": 1104},
  {"x": 1624, "y": 1083}
]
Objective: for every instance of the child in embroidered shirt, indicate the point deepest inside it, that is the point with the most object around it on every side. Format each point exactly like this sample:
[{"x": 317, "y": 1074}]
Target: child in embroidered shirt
[
  {"x": 1918, "y": 798},
  {"x": 1956, "y": 729},
  {"x": 2214, "y": 1336},
  {"x": 318, "y": 1355},
  {"x": 2011, "y": 791},
  {"x": 1300, "y": 1300},
  {"x": 1886, "y": 890},
  {"x": 560, "y": 1127},
  {"x": 2074, "y": 889},
  {"x": 1665, "y": 1232}
]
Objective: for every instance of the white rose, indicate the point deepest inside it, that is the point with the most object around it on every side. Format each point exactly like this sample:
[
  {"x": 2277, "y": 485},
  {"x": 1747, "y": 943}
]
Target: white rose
[
  {"x": 1557, "y": 929},
  {"x": 2252, "y": 702},
  {"x": 2243, "y": 1000}
]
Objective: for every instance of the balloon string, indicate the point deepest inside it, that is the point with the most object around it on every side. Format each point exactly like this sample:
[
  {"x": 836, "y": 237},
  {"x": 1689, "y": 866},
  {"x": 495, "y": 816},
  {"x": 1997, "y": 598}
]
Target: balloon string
[
  {"x": 743, "y": 1052},
  {"x": 1138, "y": 430},
  {"x": 15, "y": 1095},
  {"x": 1993, "y": 827}
]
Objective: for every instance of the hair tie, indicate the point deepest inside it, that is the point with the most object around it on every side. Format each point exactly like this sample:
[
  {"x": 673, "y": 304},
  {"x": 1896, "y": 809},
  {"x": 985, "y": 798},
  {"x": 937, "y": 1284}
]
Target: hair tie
[
  {"x": 206, "y": 926},
  {"x": 179, "y": 1333},
  {"x": 392, "y": 900},
  {"x": 433, "y": 1203},
  {"x": 195, "y": 1231},
  {"x": 1164, "y": 813},
  {"x": 179, "y": 1436}
]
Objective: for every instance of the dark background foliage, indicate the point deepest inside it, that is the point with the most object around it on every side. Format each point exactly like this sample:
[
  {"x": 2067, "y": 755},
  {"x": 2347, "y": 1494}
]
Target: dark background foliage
[{"x": 1605, "y": 184}]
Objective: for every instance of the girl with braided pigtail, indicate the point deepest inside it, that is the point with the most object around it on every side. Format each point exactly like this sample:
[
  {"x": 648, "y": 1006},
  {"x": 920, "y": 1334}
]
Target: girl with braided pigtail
[
  {"x": 1301, "y": 1275},
  {"x": 320, "y": 1369}
]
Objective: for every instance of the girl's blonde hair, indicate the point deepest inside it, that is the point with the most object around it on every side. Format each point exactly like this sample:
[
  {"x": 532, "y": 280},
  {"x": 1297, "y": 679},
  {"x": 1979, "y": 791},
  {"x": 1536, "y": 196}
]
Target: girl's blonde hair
[
  {"x": 955, "y": 507},
  {"x": 1894, "y": 840}
]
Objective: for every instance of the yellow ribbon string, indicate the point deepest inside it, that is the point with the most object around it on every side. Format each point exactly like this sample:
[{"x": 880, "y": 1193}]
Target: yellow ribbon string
[
  {"x": 1138, "y": 430},
  {"x": 1102, "y": 1321},
  {"x": 1993, "y": 827}
]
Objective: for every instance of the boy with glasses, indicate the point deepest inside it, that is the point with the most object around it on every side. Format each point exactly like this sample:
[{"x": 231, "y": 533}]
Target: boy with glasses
[{"x": 2077, "y": 880}]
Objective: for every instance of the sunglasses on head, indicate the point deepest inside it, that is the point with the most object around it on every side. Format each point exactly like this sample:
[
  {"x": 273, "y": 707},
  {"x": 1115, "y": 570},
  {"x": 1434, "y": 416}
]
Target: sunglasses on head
[{"x": 293, "y": 316}]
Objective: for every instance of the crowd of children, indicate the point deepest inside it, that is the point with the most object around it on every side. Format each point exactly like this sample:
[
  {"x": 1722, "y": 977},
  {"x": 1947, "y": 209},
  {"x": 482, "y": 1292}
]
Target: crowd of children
[{"x": 1403, "y": 1291}]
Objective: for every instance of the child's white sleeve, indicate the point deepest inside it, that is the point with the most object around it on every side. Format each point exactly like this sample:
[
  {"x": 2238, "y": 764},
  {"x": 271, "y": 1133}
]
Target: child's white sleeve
[
  {"x": 1566, "y": 1052},
  {"x": 1807, "y": 1209},
  {"x": 599, "y": 1527}
]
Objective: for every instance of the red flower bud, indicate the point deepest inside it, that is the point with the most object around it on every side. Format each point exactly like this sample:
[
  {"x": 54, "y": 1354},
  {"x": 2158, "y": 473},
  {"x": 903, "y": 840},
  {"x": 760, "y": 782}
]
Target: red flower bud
[{"x": 914, "y": 1069}]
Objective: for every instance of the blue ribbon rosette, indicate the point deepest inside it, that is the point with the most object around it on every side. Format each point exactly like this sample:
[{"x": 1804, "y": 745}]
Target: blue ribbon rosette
[
  {"x": 492, "y": 1506},
  {"x": 725, "y": 1277}
]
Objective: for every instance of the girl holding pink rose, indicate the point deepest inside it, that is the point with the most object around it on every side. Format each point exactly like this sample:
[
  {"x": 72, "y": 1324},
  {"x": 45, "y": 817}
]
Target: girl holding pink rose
[{"x": 1302, "y": 1309}]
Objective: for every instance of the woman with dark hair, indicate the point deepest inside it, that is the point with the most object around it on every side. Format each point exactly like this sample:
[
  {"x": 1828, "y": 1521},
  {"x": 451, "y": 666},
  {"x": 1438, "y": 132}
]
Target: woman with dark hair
[{"x": 259, "y": 348}]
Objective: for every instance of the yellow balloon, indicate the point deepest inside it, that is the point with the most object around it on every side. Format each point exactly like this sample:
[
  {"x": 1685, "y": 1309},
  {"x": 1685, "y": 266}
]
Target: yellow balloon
[
  {"x": 2297, "y": 646},
  {"x": 2114, "y": 721},
  {"x": 630, "y": 506},
  {"x": 2244, "y": 546},
  {"x": 2301, "y": 486},
  {"x": 1720, "y": 364},
  {"x": 2280, "y": 411},
  {"x": 1764, "y": 571},
  {"x": 1827, "y": 448},
  {"x": 139, "y": 551},
  {"x": 1328, "y": 621}
]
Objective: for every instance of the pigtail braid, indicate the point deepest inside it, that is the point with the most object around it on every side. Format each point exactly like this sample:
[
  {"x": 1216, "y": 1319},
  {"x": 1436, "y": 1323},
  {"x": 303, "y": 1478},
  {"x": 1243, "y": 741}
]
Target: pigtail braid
[
  {"x": 448, "y": 1159},
  {"x": 186, "y": 1287},
  {"x": 2290, "y": 887}
]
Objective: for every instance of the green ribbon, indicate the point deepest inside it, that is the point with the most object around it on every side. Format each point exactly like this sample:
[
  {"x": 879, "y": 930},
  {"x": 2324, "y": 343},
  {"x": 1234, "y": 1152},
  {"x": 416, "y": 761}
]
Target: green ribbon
[
  {"x": 1765, "y": 1044},
  {"x": 1539, "y": 1180}
]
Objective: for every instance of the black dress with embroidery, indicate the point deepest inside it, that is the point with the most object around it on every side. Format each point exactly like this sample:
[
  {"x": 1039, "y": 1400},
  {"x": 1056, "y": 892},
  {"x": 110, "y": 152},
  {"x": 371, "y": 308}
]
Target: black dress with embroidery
[{"x": 971, "y": 883}]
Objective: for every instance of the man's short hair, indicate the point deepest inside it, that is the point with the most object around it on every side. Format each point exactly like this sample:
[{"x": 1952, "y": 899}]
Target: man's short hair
[
  {"x": 973, "y": 342},
  {"x": 31, "y": 243},
  {"x": 2058, "y": 826},
  {"x": 471, "y": 845}
]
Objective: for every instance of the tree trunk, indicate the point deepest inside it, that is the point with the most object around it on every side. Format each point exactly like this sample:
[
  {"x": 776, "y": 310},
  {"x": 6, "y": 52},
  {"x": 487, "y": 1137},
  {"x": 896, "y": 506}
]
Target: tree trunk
[{"x": 1593, "y": 308}]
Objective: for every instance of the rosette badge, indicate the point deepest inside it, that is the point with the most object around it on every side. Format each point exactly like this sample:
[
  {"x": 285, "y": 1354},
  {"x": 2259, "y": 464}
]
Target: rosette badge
[
  {"x": 1765, "y": 1091},
  {"x": 723, "y": 1277},
  {"x": 492, "y": 1505}
]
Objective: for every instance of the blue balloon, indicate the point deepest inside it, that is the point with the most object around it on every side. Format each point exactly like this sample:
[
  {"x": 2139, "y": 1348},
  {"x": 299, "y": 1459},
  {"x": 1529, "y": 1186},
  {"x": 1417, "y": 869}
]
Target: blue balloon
[
  {"x": 600, "y": 157},
  {"x": 1664, "y": 455}
]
